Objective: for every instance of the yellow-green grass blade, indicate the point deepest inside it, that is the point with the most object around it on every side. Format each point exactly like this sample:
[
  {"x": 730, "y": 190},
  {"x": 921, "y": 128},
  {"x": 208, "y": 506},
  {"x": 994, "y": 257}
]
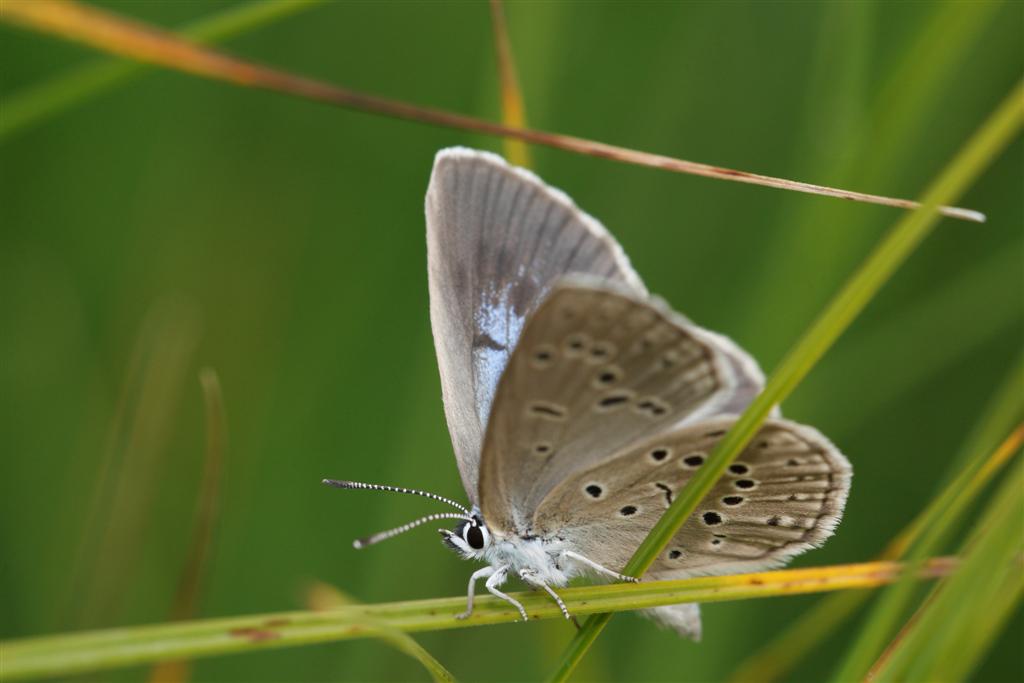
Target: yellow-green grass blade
[
  {"x": 956, "y": 626},
  {"x": 777, "y": 658},
  {"x": 993, "y": 136},
  {"x": 34, "y": 104},
  {"x": 323, "y": 597},
  {"x": 892, "y": 604},
  {"x": 61, "y": 655},
  {"x": 814, "y": 626}
]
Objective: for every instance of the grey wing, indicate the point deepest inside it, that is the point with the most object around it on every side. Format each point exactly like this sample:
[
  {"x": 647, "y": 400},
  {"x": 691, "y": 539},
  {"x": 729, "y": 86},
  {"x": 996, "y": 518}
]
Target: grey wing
[
  {"x": 596, "y": 369},
  {"x": 749, "y": 378},
  {"x": 783, "y": 494},
  {"x": 497, "y": 240}
]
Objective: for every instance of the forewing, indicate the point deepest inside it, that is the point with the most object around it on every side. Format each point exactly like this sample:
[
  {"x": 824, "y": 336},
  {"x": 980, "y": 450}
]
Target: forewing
[
  {"x": 498, "y": 238},
  {"x": 745, "y": 370},
  {"x": 783, "y": 494},
  {"x": 596, "y": 369}
]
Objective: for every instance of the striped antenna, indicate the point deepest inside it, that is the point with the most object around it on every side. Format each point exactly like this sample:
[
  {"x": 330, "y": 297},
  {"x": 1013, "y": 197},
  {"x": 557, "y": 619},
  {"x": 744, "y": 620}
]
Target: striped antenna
[
  {"x": 384, "y": 535},
  {"x": 341, "y": 484}
]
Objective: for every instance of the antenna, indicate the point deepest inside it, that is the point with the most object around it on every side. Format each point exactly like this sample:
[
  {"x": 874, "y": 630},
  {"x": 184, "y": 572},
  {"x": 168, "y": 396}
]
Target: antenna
[
  {"x": 385, "y": 535},
  {"x": 341, "y": 484}
]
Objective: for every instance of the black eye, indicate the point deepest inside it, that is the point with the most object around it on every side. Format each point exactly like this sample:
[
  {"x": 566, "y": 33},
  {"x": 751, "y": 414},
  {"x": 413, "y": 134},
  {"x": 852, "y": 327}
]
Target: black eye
[{"x": 474, "y": 537}]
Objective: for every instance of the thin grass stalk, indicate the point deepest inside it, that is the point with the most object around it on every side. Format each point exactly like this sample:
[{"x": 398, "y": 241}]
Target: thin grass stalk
[
  {"x": 109, "y": 32},
  {"x": 190, "y": 581},
  {"x": 36, "y": 103},
  {"x": 168, "y": 341},
  {"x": 780, "y": 655},
  {"x": 990, "y": 139},
  {"x": 62, "y": 655},
  {"x": 949, "y": 635},
  {"x": 891, "y": 606}
]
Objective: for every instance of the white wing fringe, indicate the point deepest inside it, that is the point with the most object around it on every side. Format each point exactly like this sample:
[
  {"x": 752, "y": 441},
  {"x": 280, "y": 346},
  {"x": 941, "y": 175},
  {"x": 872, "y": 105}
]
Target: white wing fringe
[{"x": 683, "y": 618}]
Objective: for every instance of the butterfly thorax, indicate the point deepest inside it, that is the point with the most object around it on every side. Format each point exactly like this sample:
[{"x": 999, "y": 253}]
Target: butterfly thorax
[
  {"x": 512, "y": 553},
  {"x": 541, "y": 556}
]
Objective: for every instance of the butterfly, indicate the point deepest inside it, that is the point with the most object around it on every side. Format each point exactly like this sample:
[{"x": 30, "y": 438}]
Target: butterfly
[{"x": 578, "y": 405}]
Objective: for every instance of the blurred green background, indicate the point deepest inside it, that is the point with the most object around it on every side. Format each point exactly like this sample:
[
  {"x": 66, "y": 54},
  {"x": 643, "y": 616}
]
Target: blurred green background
[{"x": 178, "y": 223}]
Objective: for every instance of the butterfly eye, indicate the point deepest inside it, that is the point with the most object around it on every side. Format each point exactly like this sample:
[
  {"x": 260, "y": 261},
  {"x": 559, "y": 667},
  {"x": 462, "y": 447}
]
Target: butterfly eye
[{"x": 475, "y": 536}]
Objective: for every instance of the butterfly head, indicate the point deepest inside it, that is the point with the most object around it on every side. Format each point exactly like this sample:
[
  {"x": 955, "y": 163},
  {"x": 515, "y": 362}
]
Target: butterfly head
[{"x": 470, "y": 538}]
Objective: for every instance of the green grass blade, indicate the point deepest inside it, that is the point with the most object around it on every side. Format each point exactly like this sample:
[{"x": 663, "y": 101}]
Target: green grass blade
[
  {"x": 36, "y": 103},
  {"x": 891, "y": 606},
  {"x": 981, "y": 149},
  {"x": 1004, "y": 410},
  {"x": 917, "y": 84},
  {"x": 61, "y": 655},
  {"x": 955, "y": 627},
  {"x": 1001, "y": 413},
  {"x": 323, "y": 597}
]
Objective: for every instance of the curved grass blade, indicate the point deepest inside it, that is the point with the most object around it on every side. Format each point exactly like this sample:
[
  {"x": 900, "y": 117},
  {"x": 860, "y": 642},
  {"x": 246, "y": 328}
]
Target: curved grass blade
[
  {"x": 62, "y": 655},
  {"x": 137, "y": 454},
  {"x": 111, "y": 33},
  {"x": 36, "y": 103},
  {"x": 777, "y": 659},
  {"x": 323, "y": 597},
  {"x": 190, "y": 581},
  {"x": 886, "y": 614},
  {"x": 964, "y": 614},
  {"x": 993, "y": 136}
]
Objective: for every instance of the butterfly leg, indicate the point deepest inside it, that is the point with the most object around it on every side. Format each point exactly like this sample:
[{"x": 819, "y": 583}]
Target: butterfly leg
[
  {"x": 498, "y": 578},
  {"x": 530, "y": 577},
  {"x": 477, "y": 575},
  {"x": 598, "y": 568}
]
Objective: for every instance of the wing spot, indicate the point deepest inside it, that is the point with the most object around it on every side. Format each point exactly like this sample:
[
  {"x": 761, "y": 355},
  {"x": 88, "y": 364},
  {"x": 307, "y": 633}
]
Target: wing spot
[
  {"x": 543, "y": 356},
  {"x": 612, "y": 401},
  {"x": 739, "y": 468},
  {"x": 652, "y": 407},
  {"x": 675, "y": 554},
  {"x": 593, "y": 490},
  {"x": 542, "y": 448},
  {"x": 711, "y": 518},
  {"x": 659, "y": 454},
  {"x": 602, "y": 351},
  {"x": 716, "y": 541},
  {"x": 667, "y": 489},
  {"x": 773, "y": 521},
  {"x": 548, "y": 411},
  {"x": 732, "y": 500},
  {"x": 576, "y": 344},
  {"x": 745, "y": 483},
  {"x": 694, "y": 460},
  {"x": 793, "y": 462},
  {"x": 606, "y": 376},
  {"x": 628, "y": 510}
]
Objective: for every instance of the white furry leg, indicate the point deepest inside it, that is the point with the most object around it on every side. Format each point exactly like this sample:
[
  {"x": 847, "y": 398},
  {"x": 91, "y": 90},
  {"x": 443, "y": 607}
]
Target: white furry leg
[
  {"x": 477, "y": 575},
  {"x": 598, "y": 568},
  {"x": 530, "y": 577},
  {"x": 498, "y": 578}
]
